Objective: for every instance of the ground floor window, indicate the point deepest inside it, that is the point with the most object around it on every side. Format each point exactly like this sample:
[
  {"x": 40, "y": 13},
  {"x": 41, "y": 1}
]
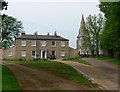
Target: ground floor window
[
  {"x": 23, "y": 53},
  {"x": 62, "y": 53},
  {"x": 10, "y": 53},
  {"x": 53, "y": 52},
  {"x": 33, "y": 54}
]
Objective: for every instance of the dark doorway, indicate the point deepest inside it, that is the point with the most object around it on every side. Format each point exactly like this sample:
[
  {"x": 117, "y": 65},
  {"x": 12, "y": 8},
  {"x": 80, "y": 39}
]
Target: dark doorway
[
  {"x": 43, "y": 54},
  {"x": 53, "y": 53}
]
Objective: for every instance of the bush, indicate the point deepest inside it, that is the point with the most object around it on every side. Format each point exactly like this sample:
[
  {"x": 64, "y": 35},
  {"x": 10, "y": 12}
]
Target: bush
[
  {"x": 72, "y": 58},
  {"x": 76, "y": 59},
  {"x": 21, "y": 60}
]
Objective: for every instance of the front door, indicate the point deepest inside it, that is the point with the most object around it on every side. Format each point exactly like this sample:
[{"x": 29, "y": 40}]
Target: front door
[{"x": 43, "y": 54}]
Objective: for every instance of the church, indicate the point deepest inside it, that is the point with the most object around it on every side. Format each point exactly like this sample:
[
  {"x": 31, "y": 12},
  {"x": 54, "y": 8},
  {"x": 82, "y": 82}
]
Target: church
[{"x": 81, "y": 38}]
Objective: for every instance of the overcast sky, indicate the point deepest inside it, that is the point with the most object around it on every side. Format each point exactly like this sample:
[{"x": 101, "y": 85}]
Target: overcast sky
[{"x": 62, "y": 16}]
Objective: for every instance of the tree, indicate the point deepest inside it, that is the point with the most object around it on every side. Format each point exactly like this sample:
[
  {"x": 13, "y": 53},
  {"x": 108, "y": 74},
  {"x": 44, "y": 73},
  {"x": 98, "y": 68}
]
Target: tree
[
  {"x": 3, "y": 5},
  {"x": 110, "y": 38},
  {"x": 86, "y": 39},
  {"x": 10, "y": 30},
  {"x": 94, "y": 25}
]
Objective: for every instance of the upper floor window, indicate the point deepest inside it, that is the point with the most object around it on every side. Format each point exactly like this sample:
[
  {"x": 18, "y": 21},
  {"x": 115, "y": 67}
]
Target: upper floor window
[
  {"x": 62, "y": 43},
  {"x": 23, "y": 43},
  {"x": 53, "y": 43},
  {"x": 10, "y": 53},
  {"x": 23, "y": 53},
  {"x": 62, "y": 53},
  {"x": 33, "y": 43},
  {"x": 43, "y": 43}
]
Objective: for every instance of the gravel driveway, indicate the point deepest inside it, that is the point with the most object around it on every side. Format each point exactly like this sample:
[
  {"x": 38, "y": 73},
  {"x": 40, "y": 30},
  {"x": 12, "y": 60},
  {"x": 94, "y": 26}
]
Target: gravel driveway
[
  {"x": 103, "y": 73},
  {"x": 32, "y": 79}
]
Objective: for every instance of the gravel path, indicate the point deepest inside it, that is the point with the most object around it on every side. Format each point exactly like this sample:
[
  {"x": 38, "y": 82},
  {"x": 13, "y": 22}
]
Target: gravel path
[
  {"x": 103, "y": 73},
  {"x": 32, "y": 79}
]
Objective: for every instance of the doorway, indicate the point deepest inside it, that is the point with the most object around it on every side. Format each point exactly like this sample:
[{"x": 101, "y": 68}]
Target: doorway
[{"x": 43, "y": 54}]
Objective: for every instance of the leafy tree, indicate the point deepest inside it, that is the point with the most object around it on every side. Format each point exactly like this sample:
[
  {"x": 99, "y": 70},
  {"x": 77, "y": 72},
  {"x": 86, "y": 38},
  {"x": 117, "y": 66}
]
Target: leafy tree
[
  {"x": 86, "y": 43},
  {"x": 94, "y": 25},
  {"x": 110, "y": 38},
  {"x": 10, "y": 30},
  {"x": 3, "y": 5}
]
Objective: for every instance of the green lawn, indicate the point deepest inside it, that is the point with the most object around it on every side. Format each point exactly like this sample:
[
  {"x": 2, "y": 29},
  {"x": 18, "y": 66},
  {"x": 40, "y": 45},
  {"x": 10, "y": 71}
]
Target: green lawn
[
  {"x": 111, "y": 60},
  {"x": 77, "y": 59},
  {"x": 0, "y": 77},
  {"x": 9, "y": 81},
  {"x": 62, "y": 70}
]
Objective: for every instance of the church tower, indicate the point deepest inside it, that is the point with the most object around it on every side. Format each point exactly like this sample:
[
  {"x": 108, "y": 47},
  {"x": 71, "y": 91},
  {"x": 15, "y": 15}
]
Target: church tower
[{"x": 80, "y": 37}]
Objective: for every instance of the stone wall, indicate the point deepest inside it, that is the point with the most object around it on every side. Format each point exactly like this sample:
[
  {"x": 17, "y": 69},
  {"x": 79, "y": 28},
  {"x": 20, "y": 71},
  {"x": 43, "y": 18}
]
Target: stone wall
[
  {"x": 9, "y": 53},
  {"x": 1, "y": 53},
  {"x": 73, "y": 52}
]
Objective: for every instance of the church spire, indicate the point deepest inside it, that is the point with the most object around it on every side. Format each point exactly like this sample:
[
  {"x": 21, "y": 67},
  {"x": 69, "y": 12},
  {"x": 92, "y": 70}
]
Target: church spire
[
  {"x": 82, "y": 50},
  {"x": 81, "y": 33},
  {"x": 82, "y": 20},
  {"x": 82, "y": 25}
]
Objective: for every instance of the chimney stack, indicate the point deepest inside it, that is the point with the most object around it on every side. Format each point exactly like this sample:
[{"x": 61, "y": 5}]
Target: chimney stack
[
  {"x": 22, "y": 33},
  {"x": 48, "y": 34},
  {"x": 55, "y": 33},
  {"x": 35, "y": 33}
]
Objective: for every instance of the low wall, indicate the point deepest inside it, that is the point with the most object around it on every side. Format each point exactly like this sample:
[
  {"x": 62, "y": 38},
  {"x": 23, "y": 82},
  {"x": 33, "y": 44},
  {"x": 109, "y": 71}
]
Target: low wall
[{"x": 73, "y": 52}]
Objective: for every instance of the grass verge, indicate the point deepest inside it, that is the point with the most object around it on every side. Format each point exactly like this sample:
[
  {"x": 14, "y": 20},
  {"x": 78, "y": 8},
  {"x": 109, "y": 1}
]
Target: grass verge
[
  {"x": 77, "y": 59},
  {"x": 24, "y": 60},
  {"x": 9, "y": 81},
  {"x": 111, "y": 60},
  {"x": 61, "y": 70}
]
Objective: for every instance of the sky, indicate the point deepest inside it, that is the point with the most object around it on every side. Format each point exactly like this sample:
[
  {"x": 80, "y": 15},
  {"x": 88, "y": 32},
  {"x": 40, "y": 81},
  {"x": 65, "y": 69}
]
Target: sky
[{"x": 43, "y": 16}]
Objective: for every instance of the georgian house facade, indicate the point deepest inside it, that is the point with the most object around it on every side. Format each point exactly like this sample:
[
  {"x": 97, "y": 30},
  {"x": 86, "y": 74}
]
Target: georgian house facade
[{"x": 38, "y": 46}]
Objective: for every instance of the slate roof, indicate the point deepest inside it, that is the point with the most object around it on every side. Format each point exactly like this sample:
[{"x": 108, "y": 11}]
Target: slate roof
[{"x": 42, "y": 37}]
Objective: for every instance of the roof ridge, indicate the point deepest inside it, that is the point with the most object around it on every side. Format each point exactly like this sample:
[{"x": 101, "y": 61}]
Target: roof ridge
[{"x": 42, "y": 37}]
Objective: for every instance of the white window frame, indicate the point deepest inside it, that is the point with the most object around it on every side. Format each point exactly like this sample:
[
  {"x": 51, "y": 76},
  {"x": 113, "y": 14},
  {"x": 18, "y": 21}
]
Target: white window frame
[
  {"x": 62, "y": 43},
  {"x": 43, "y": 43},
  {"x": 55, "y": 52},
  {"x": 33, "y": 43},
  {"x": 23, "y": 43},
  {"x": 62, "y": 53},
  {"x": 23, "y": 53},
  {"x": 32, "y": 55},
  {"x": 53, "y": 45},
  {"x": 10, "y": 53}
]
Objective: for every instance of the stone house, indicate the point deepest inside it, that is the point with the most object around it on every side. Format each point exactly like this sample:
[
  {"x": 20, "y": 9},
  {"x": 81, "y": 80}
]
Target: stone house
[{"x": 38, "y": 46}]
